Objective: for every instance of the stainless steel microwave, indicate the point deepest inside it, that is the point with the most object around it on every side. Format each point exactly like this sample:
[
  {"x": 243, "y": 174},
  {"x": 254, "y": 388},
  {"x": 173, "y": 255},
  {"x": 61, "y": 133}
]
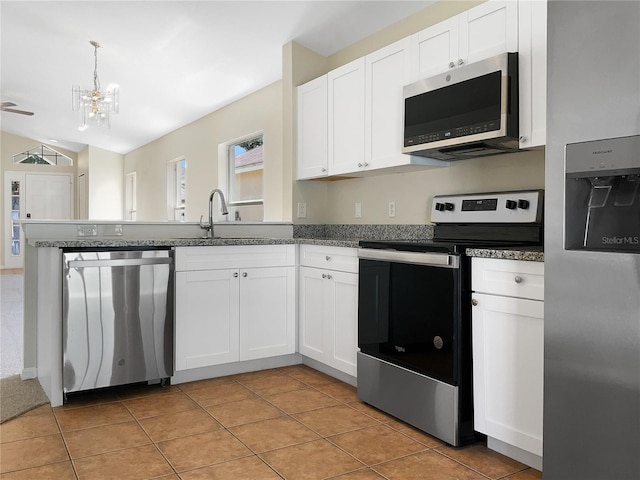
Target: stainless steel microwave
[{"x": 467, "y": 112}]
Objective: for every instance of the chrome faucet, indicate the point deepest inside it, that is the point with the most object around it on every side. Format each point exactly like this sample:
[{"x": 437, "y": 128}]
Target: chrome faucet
[{"x": 223, "y": 210}]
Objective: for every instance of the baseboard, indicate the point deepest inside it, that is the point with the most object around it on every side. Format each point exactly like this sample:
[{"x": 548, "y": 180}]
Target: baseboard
[
  {"x": 528, "y": 458},
  {"x": 316, "y": 365},
  {"x": 28, "y": 373},
  {"x": 234, "y": 368}
]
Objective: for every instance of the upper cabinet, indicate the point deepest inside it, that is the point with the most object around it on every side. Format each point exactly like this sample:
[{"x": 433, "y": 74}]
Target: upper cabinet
[
  {"x": 482, "y": 32},
  {"x": 532, "y": 61},
  {"x": 346, "y": 118},
  {"x": 312, "y": 129},
  {"x": 364, "y": 100}
]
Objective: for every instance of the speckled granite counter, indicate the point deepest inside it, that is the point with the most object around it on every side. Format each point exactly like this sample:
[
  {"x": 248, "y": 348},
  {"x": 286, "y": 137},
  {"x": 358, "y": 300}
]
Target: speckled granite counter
[
  {"x": 531, "y": 254},
  {"x": 171, "y": 242}
]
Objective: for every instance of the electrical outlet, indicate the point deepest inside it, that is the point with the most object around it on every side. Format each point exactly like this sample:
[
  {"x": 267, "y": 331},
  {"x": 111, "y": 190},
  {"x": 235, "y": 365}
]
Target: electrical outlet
[
  {"x": 87, "y": 230},
  {"x": 358, "y": 210},
  {"x": 392, "y": 209},
  {"x": 302, "y": 210}
]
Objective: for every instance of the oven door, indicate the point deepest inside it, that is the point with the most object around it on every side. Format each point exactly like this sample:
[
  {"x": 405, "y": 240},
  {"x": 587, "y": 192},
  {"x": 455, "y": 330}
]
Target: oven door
[{"x": 409, "y": 310}]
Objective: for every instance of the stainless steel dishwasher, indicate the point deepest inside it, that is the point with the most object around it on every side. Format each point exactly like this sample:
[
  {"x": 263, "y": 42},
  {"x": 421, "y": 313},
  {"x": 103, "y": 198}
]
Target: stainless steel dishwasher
[{"x": 117, "y": 317}]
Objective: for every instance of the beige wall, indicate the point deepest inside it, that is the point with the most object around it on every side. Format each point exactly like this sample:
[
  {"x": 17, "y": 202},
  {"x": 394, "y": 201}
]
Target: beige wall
[
  {"x": 9, "y": 146},
  {"x": 334, "y": 201},
  {"x": 198, "y": 142}
]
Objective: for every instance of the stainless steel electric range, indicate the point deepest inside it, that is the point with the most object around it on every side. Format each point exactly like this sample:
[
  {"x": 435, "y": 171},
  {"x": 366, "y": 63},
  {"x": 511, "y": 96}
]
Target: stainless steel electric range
[{"x": 414, "y": 310}]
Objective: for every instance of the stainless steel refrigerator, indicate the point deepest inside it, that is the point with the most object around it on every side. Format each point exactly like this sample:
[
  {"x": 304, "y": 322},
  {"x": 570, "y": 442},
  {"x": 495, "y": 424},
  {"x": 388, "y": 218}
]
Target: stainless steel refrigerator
[{"x": 592, "y": 248}]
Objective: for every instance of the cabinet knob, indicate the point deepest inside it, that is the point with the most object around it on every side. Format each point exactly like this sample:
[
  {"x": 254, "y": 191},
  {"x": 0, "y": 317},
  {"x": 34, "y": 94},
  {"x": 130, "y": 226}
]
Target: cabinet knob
[
  {"x": 244, "y": 274},
  {"x": 451, "y": 64},
  {"x": 324, "y": 275},
  {"x": 235, "y": 275},
  {"x": 360, "y": 165},
  {"x": 366, "y": 164},
  {"x": 518, "y": 279},
  {"x": 474, "y": 302},
  {"x": 329, "y": 277},
  {"x": 522, "y": 138},
  {"x": 324, "y": 170},
  {"x": 460, "y": 61},
  {"x": 327, "y": 258}
]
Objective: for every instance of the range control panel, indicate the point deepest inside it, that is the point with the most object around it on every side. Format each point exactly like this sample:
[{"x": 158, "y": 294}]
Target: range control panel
[{"x": 523, "y": 206}]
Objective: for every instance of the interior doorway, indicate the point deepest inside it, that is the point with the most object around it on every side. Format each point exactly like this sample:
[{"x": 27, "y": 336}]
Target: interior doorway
[{"x": 35, "y": 196}]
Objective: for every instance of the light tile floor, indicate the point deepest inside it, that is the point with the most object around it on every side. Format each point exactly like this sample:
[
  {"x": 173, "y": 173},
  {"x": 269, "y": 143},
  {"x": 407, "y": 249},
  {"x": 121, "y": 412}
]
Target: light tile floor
[
  {"x": 11, "y": 295},
  {"x": 291, "y": 423}
]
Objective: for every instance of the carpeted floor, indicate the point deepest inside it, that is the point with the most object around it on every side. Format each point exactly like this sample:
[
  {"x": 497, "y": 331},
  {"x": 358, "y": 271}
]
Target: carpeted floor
[{"x": 18, "y": 396}]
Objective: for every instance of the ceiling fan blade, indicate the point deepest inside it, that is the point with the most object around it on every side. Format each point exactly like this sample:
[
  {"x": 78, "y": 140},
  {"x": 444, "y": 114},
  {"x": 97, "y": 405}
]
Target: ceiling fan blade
[
  {"x": 7, "y": 104},
  {"x": 13, "y": 110}
]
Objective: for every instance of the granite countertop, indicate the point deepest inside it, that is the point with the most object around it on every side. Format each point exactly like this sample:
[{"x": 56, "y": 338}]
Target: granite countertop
[
  {"x": 532, "y": 254},
  {"x": 326, "y": 235}
]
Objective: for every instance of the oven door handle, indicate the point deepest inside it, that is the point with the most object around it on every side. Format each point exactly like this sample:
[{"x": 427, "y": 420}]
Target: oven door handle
[{"x": 443, "y": 260}]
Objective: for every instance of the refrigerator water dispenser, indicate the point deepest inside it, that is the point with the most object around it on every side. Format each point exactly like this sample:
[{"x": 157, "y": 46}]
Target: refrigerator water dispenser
[{"x": 602, "y": 195}]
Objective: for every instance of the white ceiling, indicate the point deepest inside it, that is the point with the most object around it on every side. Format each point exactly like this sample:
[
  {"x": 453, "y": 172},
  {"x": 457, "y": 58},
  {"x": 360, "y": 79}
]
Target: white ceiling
[{"x": 173, "y": 61}]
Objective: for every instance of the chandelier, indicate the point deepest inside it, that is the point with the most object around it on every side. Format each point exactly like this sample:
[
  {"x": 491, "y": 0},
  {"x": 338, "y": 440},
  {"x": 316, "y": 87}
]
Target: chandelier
[{"x": 95, "y": 105}]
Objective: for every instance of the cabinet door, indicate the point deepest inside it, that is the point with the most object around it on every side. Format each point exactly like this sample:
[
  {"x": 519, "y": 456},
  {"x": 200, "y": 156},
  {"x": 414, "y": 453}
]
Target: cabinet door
[
  {"x": 312, "y": 129},
  {"x": 434, "y": 48},
  {"x": 346, "y": 118},
  {"x": 532, "y": 66},
  {"x": 488, "y": 29},
  {"x": 267, "y": 312},
  {"x": 386, "y": 72},
  {"x": 207, "y": 318},
  {"x": 313, "y": 333},
  {"x": 343, "y": 318},
  {"x": 508, "y": 355}
]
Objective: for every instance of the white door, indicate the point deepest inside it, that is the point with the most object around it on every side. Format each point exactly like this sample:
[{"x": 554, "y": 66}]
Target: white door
[
  {"x": 346, "y": 118},
  {"x": 489, "y": 29},
  {"x": 34, "y": 196},
  {"x": 207, "y": 317},
  {"x": 435, "y": 48},
  {"x": 387, "y": 71},
  {"x": 48, "y": 196},
  {"x": 312, "y": 307},
  {"x": 312, "y": 129},
  {"x": 344, "y": 316},
  {"x": 267, "y": 312}
]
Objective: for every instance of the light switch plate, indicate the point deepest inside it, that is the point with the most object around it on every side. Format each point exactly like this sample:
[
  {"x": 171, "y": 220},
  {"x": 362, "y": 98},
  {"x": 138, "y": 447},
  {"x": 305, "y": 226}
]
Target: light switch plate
[{"x": 358, "y": 210}]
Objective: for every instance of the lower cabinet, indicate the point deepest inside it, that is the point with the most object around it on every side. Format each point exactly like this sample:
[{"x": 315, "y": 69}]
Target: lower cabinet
[
  {"x": 328, "y": 306},
  {"x": 232, "y": 314},
  {"x": 508, "y": 354}
]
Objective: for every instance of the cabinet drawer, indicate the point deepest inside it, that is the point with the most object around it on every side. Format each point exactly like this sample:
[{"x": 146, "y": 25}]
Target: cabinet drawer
[
  {"x": 343, "y": 259},
  {"x": 241, "y": 256},
  {"x": 513, "y": 278}
]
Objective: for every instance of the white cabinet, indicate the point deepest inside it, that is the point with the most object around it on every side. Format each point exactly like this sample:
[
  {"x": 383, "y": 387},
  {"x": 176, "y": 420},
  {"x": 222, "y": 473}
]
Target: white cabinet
[
  {"x": 328, "y": 306},
  {"x": 346, "y": 118},
  {"x": 532, "y": 63},
  {"x": 386, "y": 71},
  {"x": 482, "y": 32},
  {"x": 234, "y": 303},
  {"x": 207, "y": 318},
  {"x": 267, "y": 312},
  {"x": 508, "y": 354},
  {"x": 312, "y": 129}
]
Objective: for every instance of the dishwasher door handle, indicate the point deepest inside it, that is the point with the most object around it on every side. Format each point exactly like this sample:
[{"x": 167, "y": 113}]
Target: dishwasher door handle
[{"x": 123, "y": 262}]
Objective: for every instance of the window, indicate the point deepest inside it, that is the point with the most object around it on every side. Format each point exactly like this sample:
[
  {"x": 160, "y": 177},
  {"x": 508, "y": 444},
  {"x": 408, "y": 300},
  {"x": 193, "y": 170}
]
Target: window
[
  {"x": 42, "y": 155},
  {"x": 245, "y": 166},
  {"x": 177, "y": 190}
]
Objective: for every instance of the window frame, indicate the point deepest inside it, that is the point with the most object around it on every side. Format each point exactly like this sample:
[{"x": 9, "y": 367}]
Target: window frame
[{"x": 230, "y": 170}]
